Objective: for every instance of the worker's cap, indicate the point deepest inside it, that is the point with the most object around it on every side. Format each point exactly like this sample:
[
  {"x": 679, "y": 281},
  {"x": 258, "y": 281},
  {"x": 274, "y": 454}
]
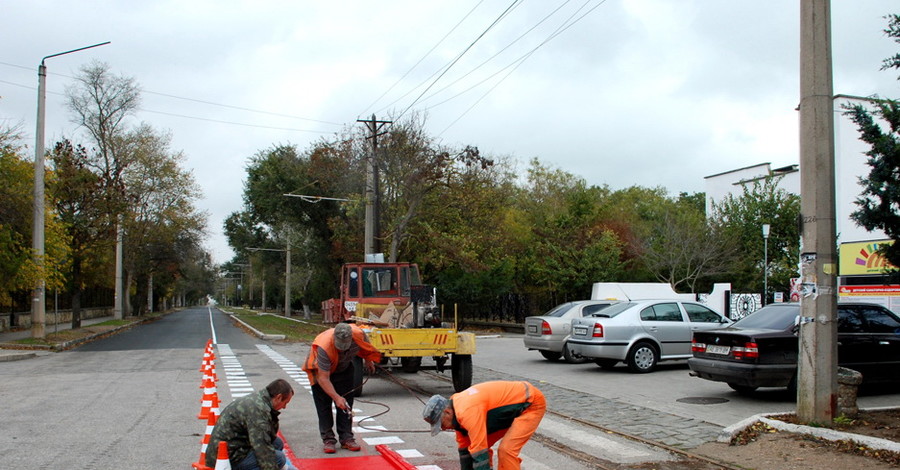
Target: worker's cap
[
  {"x": 433, "y": 411},
  {"x": 343, "y": 336}
]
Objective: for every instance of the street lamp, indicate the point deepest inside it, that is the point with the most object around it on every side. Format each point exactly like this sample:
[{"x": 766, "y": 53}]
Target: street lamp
[
  {"x": 38, "y": 305},
  {"x": 287, "y": 276},
  {"x": 765, "y": 233}
]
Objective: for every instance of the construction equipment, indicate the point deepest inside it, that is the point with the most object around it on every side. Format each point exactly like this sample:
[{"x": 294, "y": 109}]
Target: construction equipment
[{"x": 402, "y": 319}]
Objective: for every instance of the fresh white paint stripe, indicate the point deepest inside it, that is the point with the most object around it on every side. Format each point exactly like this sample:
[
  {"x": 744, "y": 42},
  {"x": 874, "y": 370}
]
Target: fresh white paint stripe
[
  {"x": 602, "y": 444},
  {"x": 428, "y": 467},
  {"x": 409, "y": 453},
  {"x": 373, "y": 428},
  {"x": 374, "y": 441}
]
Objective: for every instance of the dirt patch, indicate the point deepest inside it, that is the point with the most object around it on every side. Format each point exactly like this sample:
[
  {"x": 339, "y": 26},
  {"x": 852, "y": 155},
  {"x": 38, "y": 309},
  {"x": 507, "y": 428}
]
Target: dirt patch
[{"x": 763, "y": 447}]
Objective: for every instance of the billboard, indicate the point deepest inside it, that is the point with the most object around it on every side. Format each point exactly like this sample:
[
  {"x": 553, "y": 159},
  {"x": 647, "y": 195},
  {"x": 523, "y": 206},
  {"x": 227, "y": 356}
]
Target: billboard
[{"x": 861, "y": 258}]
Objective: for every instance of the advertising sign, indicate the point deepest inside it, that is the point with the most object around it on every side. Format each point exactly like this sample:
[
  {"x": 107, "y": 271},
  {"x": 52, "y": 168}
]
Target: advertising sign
[{"x": 861, "y": 258}]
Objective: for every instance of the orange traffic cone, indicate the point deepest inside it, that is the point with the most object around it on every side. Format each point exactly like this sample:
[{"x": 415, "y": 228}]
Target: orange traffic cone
[
  {"x": 204, "y": 443},
  {"x": 209, "y": 390},
  {"x": 206, "y": 353},
  {"x": 222, "y": 462}
]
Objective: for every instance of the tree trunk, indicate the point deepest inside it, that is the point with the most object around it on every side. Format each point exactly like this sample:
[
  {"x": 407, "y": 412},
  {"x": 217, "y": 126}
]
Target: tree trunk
[{"x": 76, "y": 292}]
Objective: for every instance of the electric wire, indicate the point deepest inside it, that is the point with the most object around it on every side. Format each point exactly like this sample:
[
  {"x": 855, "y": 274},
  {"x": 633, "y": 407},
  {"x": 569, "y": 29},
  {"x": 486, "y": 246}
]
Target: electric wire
[
  {"x": 566, "y": 25},
  {"x": 474, "y": 69},
  {"x": 514, "y": 4},
  {"x": 419, "y": 62}
]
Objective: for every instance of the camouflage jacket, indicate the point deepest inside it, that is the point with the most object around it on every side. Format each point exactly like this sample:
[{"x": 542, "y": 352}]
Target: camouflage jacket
[{"x": 247, "y": 424}]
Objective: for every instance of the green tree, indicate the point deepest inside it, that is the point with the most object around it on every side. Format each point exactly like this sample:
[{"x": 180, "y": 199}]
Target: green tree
[
  {"x": 83, "y": 206},
  {"x": 879, "y": 201},
  {"x": 742, "y": 218}
]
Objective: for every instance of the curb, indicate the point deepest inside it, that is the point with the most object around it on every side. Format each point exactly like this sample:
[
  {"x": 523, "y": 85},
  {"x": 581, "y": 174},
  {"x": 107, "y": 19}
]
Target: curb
[
  {"x": 259, "y": 334},
  {"x": 16, "y": 356},
  {"x": 823, "y": 433}
]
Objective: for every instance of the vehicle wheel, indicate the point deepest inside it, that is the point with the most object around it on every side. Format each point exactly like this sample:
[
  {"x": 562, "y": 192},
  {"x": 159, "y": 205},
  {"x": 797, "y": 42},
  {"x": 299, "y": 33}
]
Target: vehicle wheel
[
  {"x": 606, "y": 363},
  {"x": 642, "y": 358},
  {"x": 358, "y": 370},
  {"x": 792, "y": 386},
  {"x": 742, "y": 389},
  {"x": 461, "y": 370},
  {"x": 570, "y": 358},
  {"x": 410, "y": 364},
  {"x": 551, "y": 356}
]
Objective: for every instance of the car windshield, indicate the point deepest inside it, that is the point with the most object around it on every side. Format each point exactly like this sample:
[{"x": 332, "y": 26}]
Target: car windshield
[
  {"x": 614, "y": 309},
  {"x": 559, "y": 310},
  {"x": 772, "y": 317}
]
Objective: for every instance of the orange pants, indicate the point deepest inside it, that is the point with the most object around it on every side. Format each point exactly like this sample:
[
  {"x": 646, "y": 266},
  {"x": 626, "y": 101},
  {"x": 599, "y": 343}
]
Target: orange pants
[{"x": 514, "y": 438}]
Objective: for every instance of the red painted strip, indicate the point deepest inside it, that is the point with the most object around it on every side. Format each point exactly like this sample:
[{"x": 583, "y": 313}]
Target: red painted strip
[{"x": 394, "y": 458}]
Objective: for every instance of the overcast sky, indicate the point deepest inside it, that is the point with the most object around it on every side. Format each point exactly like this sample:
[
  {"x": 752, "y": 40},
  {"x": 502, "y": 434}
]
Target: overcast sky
[{"x": 618, "y": 92}]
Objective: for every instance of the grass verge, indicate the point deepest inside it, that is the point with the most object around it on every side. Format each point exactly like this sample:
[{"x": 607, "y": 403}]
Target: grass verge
[{"x": 293, "y": 330}]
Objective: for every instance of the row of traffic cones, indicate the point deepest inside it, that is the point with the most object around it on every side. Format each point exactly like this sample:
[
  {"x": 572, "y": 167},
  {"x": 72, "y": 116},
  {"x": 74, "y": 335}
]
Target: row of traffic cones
[{"x": 209, "y": 410}]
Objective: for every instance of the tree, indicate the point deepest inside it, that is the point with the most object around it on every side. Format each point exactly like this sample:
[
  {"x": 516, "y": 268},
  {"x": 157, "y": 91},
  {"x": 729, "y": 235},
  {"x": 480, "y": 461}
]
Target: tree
[
  {"x": 879, "y": 202},
  {"x": 83, "y": 206},
  {"x": 685, "y": 247},
  {"x": 742, "y": 218}
]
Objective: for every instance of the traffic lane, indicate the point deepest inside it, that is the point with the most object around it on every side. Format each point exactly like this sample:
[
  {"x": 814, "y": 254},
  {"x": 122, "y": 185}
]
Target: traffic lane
[
  {"x": 101, "y": 409},
  {"x": 670, "y": 389}
]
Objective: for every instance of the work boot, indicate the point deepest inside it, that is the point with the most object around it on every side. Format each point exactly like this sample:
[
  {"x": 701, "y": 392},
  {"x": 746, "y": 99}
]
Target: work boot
[
  {"x": 329, "y": 447},
  {"x": 351, "y": 445}
]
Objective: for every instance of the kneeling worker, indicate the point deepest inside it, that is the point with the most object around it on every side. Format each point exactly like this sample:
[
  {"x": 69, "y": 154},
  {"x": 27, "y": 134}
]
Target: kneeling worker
[
  {"x": 250, "y": 426},
  {"x": 485, "y": 413}
]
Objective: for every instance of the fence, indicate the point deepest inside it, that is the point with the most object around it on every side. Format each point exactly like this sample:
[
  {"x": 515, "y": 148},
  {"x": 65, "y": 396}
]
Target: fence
[{"x": 23, "y": 319}]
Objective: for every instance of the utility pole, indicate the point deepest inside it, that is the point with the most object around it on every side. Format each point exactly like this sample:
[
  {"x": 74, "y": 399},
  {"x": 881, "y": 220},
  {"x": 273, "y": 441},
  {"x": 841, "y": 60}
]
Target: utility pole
[
  {"x": 38, "y": 298},
  {"x": 373, "y": 225},
  {"x": 817, "y": 365}
]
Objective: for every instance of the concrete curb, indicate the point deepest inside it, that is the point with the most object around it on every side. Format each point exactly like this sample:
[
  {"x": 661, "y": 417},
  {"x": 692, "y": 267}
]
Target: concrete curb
[
  {"x": 259, "y": 334},
  {"x": 9, "y": 357},
  {"x": 824, "y": 433}
]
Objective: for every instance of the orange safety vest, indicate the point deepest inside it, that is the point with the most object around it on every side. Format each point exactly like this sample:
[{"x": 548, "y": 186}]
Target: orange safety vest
[{"x": 325, "y": 342}]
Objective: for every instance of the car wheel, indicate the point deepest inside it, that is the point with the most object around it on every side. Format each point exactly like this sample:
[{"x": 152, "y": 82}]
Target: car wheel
[
  {"x": 551, "y": 355},
  {"x": 792, "y": 386},
  {"x": 742, "y": 389},
  {"x": 642, "y": 358},
  {"x": 606, "y": 363},
  {"x": 571, "y": 358}
]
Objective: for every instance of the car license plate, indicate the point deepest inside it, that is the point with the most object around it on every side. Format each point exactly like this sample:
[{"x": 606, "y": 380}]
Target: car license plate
[
  {"x": 714, "y": 349},
  {"x": 580, "y": 330},
  {"x": 532, "y": 328}
]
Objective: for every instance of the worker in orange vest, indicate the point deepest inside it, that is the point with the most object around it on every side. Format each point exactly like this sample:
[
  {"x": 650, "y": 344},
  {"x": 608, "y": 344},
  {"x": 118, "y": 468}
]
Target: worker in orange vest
[
  {"x": 329, "y": 367},
  {"x": 485, "y": 413}
]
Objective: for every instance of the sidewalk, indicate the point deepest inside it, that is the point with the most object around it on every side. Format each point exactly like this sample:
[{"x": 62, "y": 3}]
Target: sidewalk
[{"x": 19, "y": 354}]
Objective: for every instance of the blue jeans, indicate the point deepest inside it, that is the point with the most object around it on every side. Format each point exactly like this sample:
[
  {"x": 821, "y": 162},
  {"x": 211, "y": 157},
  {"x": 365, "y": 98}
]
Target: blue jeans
[{"x": 250, "y": 463}]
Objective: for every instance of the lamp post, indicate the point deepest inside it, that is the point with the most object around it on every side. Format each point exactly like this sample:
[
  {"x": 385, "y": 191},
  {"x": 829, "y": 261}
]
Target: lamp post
[
  {"x": 765, "y": 233},
  {"x": 38, "y": 304},
  {"x": 287, "y": 275}
]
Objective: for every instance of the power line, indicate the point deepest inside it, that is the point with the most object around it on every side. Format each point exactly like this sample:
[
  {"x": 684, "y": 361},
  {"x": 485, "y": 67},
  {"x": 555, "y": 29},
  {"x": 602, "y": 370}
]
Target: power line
[
  {"x": 518, "y": 62},
  {"x": 514, "y": 4},
  {"x": 167, "y": 95},
  {"x": 419, "y": 62}
]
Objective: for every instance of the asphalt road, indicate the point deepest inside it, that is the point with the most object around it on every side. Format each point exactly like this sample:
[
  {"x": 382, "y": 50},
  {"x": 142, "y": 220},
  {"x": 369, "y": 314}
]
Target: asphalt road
[{"x": 131, "y": 401}]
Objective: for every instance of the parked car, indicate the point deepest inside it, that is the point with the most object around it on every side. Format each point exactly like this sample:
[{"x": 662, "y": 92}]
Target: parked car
[
  {"x": 549, "y": 332},
  {"x": 641, "y": 333},
  {"x": 761, "y": 349}
]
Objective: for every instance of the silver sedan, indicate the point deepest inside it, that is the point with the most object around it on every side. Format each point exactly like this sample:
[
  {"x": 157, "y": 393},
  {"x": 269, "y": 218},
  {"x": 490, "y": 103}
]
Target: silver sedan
[
  {"x": 641, "y": 333},
  {"x": 549, "y": 332}
]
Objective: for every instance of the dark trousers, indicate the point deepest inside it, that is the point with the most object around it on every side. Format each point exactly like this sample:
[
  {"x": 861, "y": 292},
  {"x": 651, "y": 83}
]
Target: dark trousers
[{"x": 343, "y": 384}]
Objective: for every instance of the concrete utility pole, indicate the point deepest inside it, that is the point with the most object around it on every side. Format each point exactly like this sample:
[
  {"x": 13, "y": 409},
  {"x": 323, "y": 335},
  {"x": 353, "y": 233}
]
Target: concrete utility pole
[
  {"x": 38, "y": 300},
  {"x": 373, "y": 227},
  {"x": 817, "y": 365}
]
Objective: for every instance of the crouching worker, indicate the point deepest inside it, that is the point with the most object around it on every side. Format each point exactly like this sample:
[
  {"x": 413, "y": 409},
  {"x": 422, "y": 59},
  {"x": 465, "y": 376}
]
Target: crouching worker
[
  {"x": 485, "y": 413},
  {"x": 250, "y": 426},
  {"x": 329, "y": 367}
]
